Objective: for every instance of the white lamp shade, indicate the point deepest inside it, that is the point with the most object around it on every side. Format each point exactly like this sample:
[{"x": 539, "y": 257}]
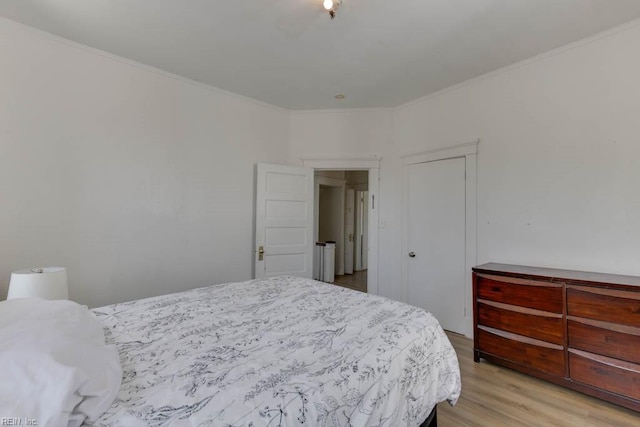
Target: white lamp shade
[{"x": 51, "y": 283}]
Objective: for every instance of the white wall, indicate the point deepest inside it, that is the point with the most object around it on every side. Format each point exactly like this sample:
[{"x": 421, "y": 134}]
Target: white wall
[
  {"x": 558, "y": 175},
  {"x": 138, "y": 182},
  {"x": 340, "y": 134},
  {"x": 142, "y": 183}
]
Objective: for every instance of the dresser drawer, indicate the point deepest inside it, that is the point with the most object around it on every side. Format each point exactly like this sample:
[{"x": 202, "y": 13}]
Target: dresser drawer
[
  {"x": 522, "y": 321},
  {"x": 524, "y": 293},
  {"x": 606, "y": 305},
  {"x": 605, "y": 373},
  {"x": 574, "y": 328},
  {"x": 623, "y": 343},
  {"x": 522, "y": 350}
]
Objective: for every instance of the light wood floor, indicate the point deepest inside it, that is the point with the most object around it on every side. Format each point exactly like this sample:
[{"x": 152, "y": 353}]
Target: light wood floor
[
  {"x": 356, "y": 281},
  {"x": 496, "y": 396}
]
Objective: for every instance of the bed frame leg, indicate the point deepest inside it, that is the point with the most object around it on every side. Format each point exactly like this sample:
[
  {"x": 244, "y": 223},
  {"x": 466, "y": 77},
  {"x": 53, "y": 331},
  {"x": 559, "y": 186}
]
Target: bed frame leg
[{"x": 432, "y": 419}]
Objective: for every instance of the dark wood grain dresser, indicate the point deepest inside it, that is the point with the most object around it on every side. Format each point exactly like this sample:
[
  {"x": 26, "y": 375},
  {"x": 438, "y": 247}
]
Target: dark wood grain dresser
[{"x": 573, "y": 328}]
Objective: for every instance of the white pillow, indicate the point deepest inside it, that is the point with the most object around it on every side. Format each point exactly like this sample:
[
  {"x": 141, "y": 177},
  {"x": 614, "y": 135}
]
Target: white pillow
[{"x": 56, "y": 368}]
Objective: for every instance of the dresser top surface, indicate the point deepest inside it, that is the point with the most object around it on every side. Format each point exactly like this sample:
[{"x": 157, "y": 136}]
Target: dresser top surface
[{"x": 555, "y": 274}]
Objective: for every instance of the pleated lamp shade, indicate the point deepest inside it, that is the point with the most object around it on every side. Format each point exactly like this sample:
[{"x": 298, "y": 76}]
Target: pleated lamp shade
[{"x": 46, "y": 283}]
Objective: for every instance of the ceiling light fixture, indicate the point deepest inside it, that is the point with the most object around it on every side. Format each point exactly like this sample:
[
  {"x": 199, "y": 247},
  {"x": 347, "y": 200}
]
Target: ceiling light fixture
[{"x": 331, "y": 6}]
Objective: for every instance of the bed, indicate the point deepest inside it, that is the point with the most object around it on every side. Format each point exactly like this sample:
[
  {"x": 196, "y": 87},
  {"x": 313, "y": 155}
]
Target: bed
[{"x": 281, "y": 351}]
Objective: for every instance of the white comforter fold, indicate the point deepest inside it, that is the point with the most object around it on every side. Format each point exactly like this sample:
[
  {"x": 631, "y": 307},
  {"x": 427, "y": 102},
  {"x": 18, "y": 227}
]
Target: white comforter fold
[{"x": 56, "y": 368}]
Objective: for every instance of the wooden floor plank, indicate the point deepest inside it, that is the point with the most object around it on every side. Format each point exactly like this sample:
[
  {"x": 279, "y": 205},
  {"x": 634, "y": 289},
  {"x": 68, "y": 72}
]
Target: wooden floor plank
[
  {"x": 497, "y": 396},
  {"x": 356, "y": 281}
]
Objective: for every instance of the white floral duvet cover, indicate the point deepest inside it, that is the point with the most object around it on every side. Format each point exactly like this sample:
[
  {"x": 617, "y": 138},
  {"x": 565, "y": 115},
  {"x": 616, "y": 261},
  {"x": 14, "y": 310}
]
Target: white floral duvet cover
[{"x": 281, "y": 351}]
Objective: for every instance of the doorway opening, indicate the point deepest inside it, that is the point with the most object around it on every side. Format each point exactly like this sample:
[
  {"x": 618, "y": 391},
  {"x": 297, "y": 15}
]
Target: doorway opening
[
  {"x": 370, "y": 168},
  {"x": 343, "y": 217}
]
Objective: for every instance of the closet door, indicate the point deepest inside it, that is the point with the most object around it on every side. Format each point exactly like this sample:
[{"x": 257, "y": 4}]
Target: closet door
[{"x": 435, "y": 270}]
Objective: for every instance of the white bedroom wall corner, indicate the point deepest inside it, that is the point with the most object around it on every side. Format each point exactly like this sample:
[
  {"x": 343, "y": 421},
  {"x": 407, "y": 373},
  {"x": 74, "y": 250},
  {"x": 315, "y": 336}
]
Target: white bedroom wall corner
[
  {"x": 559, "y": 51},
  {"x": 130, "y": 62},
  {"x": 555, "y": 175},
  {"x": 153, "y": 174}
]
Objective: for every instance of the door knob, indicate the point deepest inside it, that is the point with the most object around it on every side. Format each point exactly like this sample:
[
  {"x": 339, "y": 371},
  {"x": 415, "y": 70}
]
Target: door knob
[
  {"x": 412, "y": 254},
  {"x": 261, "y": 253}
]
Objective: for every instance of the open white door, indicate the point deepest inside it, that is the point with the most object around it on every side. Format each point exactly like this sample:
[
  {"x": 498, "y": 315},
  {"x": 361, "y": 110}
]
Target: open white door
[{"x": 284, "y": 221}]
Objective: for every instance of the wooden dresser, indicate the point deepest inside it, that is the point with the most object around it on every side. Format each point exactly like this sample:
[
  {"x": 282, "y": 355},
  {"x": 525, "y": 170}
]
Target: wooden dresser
[{"x": 577, "y": 329}]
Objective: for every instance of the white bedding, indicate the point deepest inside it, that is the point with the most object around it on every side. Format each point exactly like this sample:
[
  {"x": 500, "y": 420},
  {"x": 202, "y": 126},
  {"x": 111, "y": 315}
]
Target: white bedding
[
  {"x": 277, "y": 352},
  {"x": 56, "y": 369}
]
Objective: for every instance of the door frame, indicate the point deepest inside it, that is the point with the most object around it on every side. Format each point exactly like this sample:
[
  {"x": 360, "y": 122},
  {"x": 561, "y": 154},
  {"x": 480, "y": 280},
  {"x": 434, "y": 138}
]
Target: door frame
[
  {"x": 371, "y": 164},
  {"x": 468, "y": 151},
  {"x": 363, "y": 259},
  {"x": 349, "y": 238}
]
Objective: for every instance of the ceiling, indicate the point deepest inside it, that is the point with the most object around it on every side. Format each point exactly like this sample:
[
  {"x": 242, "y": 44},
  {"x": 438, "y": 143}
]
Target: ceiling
[{"x": 289, "y": 53}]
